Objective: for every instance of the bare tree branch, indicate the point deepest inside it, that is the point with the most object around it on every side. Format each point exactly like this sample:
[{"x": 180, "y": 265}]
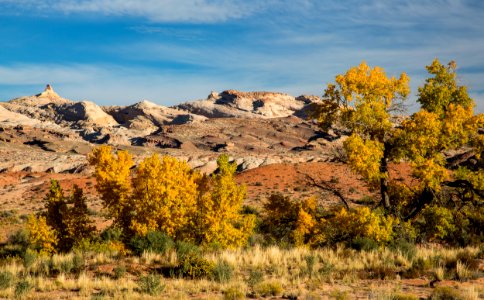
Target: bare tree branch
[{"x": 325, "y": 186}]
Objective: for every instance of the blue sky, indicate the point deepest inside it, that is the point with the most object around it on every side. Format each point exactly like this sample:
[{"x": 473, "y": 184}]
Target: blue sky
[{"x": 170, "y": 51}]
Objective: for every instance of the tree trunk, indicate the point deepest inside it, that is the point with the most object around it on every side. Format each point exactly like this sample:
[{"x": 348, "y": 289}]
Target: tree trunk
[
  {"x": 426, "y": 197},
  {"x": 385, "y": 197}
]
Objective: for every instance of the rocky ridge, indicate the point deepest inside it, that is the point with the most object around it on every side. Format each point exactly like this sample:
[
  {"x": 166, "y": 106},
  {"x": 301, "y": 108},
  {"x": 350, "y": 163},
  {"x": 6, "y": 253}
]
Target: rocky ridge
[{"x": 255, "y": 128}]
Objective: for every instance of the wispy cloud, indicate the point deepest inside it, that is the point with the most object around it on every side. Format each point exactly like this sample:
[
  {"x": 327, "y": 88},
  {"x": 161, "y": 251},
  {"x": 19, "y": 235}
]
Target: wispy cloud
[
  {"x": 292, "y": 46},
  {"x": 197, "y": 11}
]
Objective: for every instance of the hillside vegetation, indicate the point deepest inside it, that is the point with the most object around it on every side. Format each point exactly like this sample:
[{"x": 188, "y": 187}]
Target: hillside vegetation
[{"x": 175, "y": 232}]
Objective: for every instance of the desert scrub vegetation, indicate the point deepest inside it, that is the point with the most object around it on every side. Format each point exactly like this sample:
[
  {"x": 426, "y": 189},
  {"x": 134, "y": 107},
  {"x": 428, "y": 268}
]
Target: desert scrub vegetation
[
  {"x": 236, "y": 273},
  {"x": 177, "y": 233}
]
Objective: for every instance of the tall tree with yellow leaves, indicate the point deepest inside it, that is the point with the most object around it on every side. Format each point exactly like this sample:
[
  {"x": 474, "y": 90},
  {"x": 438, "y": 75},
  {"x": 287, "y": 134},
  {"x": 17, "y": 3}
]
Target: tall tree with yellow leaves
[
  {"x": 364, "y": 97},
  {"x": 113, "y": 182},
  {"x": 219, "y": 219},
  {"x": 446, "y": 122}
]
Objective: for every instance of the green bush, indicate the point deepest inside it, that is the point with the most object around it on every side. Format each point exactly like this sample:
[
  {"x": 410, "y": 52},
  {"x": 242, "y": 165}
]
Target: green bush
[
  {"x": 66, "y": 266},
  {"x": 112, "y": 234},
  {"x": 310, "y": 262},
  {"x": 151, "y": 284},
  {"x": 255, "y": 276},
  {"x": 185, "y": 248},
  {"x": 6, "y": 280},
  {"x": 119, "y": 272},
  {"x": 78, "y": 263},
  {"x": 22, "y": 288},
  {"x": 363, "y": 244},
  {"x": 408, "y": 249},
  {"x": 222, "y": 272},
  {"x": 29, "y": 258},
  {"x": 154, "y": 241}
]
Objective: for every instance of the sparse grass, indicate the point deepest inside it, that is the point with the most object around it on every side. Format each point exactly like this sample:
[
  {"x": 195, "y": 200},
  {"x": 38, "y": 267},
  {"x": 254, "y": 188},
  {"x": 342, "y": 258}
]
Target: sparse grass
[
  {"x": 462, "y": 271},
  {"x": 255, "y": 271}
]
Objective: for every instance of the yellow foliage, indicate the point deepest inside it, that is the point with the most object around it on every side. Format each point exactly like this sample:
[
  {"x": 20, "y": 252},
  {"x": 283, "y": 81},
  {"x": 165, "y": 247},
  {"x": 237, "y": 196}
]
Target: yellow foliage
[
  {"x": 421, "y": 134},
  {"x": 346, "y": 225},
  {"x": 164, "y": 196},
  {"x": 441, "y": 90},
  {"x": 458, "y": 126},
  {"x": 42, "y": 237},
  {"x": 304, "y": 226},
  {"x": 430, "y": 171},
  {"x": 219, "y": 218},
  {"x": 364, "y": 156},
  {"x": 364, "y": 84},
  {"x": 112, "y": 174},
  {"x": 290, "y": 221},
  {"x": 365, "y": 223}
]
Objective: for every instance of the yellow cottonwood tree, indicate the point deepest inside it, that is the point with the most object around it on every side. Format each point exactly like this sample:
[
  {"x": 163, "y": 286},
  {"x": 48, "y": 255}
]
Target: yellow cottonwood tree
[
  {"x": 219, "y": 209},
  {"x": 365, "y": 97},
  {"x": 113, "y": 182},
  {"x": 164, "y": 196},
  {"x": 445, "y": 122}
]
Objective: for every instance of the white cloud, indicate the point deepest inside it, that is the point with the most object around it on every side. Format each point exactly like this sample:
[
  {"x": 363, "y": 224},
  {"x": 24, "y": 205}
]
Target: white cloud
[{"x": 196, "y": 11}]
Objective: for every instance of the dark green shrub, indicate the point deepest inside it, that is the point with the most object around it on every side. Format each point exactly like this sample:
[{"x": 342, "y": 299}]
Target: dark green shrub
[
  {"x": 255, "y": 276},
  {"x": 78, "y": 263},
  {"x": 408, "y": 249},
  {"x": 151, "y": 284},
  {"x": 112, "y": 234},
  {"x": 154, "y": 241},
  {"x": 222, "y": 272},
  {"x": 119, "y": 272},
  {"x": 17, "y": 244},
  {"x": 249, "y": 210},
  {"x": 6, "y": 280},
  {"x": 29, "y": 258},
  {"x": 363, "y": 244},
  {"x": 22, "y": 288}
]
